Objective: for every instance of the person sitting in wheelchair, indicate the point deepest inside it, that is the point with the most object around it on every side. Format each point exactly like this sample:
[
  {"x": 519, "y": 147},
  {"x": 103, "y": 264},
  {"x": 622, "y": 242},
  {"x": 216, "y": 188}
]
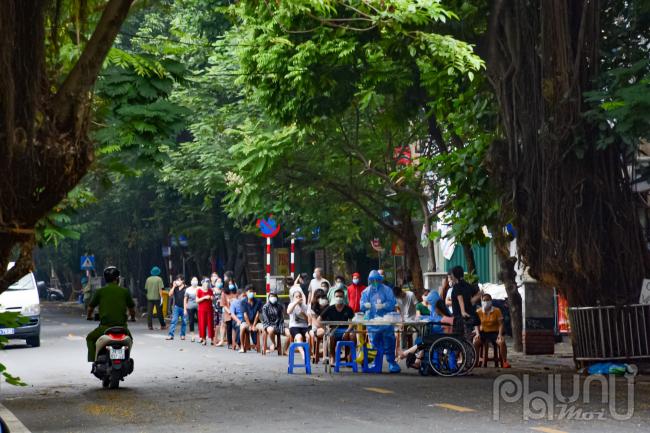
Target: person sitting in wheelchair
[{"x": 440, "y": 316}]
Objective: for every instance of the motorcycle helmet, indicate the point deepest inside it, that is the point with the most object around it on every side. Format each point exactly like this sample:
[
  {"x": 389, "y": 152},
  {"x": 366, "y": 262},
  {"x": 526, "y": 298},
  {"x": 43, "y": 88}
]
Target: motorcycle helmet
[{"x": 111, "y": 274}]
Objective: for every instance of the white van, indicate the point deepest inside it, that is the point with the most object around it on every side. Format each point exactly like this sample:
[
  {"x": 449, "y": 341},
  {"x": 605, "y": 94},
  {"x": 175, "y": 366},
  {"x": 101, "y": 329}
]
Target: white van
[{"x": 22, "y": 297}]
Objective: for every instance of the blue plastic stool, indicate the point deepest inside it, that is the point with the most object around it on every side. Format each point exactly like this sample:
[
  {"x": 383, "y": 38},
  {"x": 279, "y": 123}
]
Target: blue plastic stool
[
  {"x": 292, "y": 353},
  {"x": 338, "y": 362},
  {"x": 377, "y": 365}
]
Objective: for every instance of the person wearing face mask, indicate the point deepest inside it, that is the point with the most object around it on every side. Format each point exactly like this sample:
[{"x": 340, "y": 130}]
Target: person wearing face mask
[
  {"x": 205, "y": 311},
  {"x": 439, "y": 315},
  {"x": 177, "y": 294},
  {"x": 252, "y": 309},
  {"x": 237, "y": 315},
  {"x": 316, "y": 283},
  {"x": 227, "y": 296},
  {"x": 273, "y": 322},
  {"x": 298, "y": 319},
  {"x": 376, "y": 301},
  {"x": 339, "y": 284},
  {"x": 217, "y": 291},
  {"x": 338, "y": 312},
  {"x": 318, "y": 304},
  {"x": 491, "y": 328},
  {"x": 354, "y": 292},
  {"x": 422, "y": 307},
  {"x": 191, "y": 307}
]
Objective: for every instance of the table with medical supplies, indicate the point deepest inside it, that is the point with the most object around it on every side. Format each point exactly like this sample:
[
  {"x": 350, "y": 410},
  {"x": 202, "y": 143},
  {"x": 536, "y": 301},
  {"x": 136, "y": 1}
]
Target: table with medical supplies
[{"x": 410, "y": 326}]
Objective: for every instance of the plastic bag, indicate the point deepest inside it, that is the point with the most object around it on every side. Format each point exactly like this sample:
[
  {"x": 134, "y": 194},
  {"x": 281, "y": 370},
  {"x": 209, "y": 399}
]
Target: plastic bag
[
  {"x": 372, "y": 353},
  {"x": 613, "y": 368}
]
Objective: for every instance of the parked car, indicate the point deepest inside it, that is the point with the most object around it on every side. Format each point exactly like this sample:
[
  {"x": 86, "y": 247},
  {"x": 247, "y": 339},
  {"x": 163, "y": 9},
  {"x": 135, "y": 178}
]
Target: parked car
[{"x": 22, "y": 297}]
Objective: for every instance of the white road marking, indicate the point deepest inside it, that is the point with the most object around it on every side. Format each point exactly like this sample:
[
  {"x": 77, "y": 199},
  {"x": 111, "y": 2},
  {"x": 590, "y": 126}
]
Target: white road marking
[
  {"x": 547, "y": 430},
  {"x": 453, "y": 407}
]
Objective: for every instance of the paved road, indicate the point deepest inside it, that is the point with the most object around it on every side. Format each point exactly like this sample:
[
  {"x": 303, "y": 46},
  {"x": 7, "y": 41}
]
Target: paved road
[{"x": 184, "y": 387}]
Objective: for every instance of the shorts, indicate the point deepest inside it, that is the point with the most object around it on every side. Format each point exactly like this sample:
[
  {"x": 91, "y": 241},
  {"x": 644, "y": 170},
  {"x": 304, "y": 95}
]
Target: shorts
[
  {"x": 217, "y": 316},
  {"x": 298, "y": 330},
  {"x": 490, "y": 337}
]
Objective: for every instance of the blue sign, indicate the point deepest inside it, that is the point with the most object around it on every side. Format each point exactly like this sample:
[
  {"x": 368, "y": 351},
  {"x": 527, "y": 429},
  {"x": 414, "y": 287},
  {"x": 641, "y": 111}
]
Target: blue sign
[
  {"x": 87, "y": 263},
  {"x": 511, "y": 230},
  {"x": 268, "y": 227}
]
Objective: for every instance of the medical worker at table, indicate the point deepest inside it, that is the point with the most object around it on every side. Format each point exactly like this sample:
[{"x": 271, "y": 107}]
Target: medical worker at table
[{"x": 376, "y": 300}]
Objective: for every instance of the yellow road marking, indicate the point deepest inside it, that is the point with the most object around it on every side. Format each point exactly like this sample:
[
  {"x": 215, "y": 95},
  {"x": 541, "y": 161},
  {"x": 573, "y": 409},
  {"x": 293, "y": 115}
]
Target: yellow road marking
[
  {"x": 454, "y": 407},
  {"x": 379, "y": 390},
  {"x": 547, "y": 430}
]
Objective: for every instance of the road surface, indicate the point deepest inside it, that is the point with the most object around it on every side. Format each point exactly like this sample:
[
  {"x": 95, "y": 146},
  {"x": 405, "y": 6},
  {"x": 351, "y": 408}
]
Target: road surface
[{"x": 179, "y": 386}]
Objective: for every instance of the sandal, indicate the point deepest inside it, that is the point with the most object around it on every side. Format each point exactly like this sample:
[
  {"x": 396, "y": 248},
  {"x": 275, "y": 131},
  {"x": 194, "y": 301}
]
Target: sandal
[{"x": 182, "y": 337}]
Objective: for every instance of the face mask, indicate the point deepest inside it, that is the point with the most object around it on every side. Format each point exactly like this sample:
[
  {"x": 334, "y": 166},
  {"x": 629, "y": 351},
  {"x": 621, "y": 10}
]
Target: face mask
[
  {"x": 314, "y": 275},
  {"x": 339, "y": 285},
  {"x": 231, "y": 287},
  {"x": 195, "y": 283},
  {"x": 338, "y": 301},
  {"x": 355, "y": 280},
  {"x": 323, "y": 302},
  {"x": 486, "y": 305},
  {"x": 273, "y": 300},
  {"x": 374, "y": 283},
  {"x": 250, "y": 295},
  {"x": 219, "y": 285}
]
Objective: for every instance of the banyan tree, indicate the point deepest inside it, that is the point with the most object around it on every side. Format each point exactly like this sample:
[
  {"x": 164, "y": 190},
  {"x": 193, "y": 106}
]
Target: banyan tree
[
  {"x": 44, "y": 114},
  {"x": 576, "y": 215}
]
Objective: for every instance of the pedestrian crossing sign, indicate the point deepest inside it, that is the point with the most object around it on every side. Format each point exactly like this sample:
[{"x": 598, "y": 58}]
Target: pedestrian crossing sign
[{"x": 87, "y": 263}]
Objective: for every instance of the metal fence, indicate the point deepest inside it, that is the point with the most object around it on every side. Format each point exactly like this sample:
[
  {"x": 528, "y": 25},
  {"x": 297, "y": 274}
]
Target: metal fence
[{"x": 610, "y": 333}]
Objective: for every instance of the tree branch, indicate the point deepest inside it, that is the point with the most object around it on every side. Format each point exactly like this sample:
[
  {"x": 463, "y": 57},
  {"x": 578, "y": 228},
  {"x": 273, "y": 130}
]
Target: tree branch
[{"x": 73, "y": 94}]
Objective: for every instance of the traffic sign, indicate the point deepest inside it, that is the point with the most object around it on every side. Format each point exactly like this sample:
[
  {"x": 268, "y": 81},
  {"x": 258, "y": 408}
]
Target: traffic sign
[
  {"x": 87, "y": 263},
  {"x": 397, "y": 249},
  {"x": 269, "y": 228},
  {"x": 376, "y": 245}
]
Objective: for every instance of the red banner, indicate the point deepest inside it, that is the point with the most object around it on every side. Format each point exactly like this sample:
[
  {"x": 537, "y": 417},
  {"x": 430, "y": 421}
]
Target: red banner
[{"x": 563, "y": 314}]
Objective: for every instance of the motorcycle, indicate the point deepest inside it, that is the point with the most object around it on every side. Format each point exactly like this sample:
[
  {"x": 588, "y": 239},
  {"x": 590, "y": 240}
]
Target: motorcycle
[{"x": 113, "y": 360}]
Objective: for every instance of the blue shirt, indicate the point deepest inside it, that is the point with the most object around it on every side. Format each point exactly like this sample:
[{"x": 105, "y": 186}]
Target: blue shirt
[
  {"x": 236, "y": 309},
  {"x": 251, "y": 309}
]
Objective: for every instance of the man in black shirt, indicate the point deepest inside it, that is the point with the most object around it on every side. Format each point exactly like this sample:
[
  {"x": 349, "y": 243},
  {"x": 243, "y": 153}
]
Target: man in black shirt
[
  {"x": 177, "y": 293},
  {"x": 339, "y": 312},
  {"x": 463, "y": 298}
]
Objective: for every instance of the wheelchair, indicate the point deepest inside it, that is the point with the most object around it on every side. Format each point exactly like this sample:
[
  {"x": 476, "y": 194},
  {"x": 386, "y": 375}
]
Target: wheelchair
[{"x": 444, "y": 354}]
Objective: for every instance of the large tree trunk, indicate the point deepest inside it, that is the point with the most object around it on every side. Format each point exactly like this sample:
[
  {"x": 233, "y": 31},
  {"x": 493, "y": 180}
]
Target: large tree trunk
[
  {"x": 508, "y": 277},
  {"x": 574, "y": 212},
  {"x": 412, "y": 254},
  {"x": 469, "y": 258},
  {"x": 431, "y": 256},
  {"x": 43, "y": 136}
]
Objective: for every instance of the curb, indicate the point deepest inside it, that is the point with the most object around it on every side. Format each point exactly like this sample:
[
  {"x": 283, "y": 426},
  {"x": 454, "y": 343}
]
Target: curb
[{"x": 13, "y": 424}]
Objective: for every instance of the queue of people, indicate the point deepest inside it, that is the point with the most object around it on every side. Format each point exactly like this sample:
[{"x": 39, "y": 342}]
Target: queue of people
[{"x": 226, "y": 315}]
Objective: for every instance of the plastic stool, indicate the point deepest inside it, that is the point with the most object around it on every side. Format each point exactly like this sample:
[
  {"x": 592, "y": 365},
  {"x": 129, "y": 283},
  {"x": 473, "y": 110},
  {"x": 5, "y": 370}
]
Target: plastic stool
[
  {"x": 292, "y": 353},
  {"x": 377, "y": 365},
  {"x": 338, "y": 363}
]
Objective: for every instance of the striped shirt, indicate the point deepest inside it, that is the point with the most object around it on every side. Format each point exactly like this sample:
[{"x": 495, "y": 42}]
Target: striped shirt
[{"x": 273, "y": 315}]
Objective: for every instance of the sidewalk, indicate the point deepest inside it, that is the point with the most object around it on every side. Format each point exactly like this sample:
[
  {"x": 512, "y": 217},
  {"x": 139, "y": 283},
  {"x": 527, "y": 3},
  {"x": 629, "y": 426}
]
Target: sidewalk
[{"x": 561, "y": 362}]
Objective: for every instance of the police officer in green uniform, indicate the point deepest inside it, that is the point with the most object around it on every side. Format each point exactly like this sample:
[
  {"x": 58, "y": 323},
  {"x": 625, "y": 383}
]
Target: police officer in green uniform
[{"x": 113, "y": 301}]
